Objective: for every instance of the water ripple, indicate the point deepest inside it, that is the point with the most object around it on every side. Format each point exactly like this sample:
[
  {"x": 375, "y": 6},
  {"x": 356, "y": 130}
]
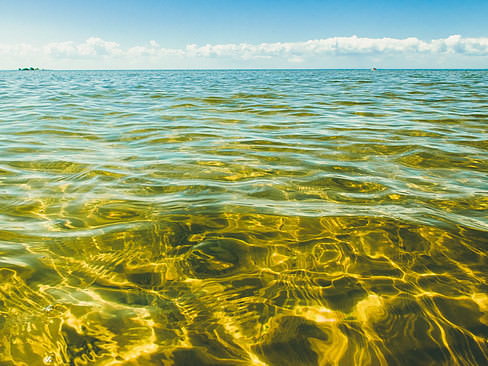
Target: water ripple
[{"x": 244, "y": 217}]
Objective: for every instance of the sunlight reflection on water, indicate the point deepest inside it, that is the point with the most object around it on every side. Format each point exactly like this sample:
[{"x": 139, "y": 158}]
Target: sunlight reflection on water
[{"x": 244, "y": 217}]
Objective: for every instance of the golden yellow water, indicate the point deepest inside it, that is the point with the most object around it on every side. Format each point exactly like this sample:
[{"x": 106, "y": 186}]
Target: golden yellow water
[{"x": 244, "y": 218}]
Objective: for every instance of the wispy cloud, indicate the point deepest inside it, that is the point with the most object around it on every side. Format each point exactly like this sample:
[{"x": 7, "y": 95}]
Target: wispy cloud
[{"x": 96, "y": 50}]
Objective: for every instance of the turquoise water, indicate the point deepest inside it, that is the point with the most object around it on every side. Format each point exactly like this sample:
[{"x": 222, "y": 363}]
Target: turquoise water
[{"x": 313, "y": 217}]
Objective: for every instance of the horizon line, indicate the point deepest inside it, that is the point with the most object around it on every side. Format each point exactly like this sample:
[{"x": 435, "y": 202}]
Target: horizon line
[{"x": 373, "y": 68}]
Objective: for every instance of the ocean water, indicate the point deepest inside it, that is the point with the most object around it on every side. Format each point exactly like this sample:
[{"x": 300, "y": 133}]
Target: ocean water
[{"x": 314, "y": 217}]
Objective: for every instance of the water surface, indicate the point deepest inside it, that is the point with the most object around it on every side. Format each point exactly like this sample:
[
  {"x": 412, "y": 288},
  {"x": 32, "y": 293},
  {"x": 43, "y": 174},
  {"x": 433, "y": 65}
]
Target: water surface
[{"x": 320, "y": 217}]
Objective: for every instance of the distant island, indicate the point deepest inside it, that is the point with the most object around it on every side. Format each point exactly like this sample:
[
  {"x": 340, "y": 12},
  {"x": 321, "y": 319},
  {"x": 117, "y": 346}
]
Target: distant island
[{"x": 28, "y": 68}]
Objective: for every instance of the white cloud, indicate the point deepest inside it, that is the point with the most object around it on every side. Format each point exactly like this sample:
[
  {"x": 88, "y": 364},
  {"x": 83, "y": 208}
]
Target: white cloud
[
  {"x": 92, "y": 47},
  {"x": 345, "y": 46},
  {"x": 95, "y": 52},
  {"x": 153, "y": 50},
  {"x": 98, "y": 47},
  {"x": 21, "y": 49},
  {"x": 61, "y": 49}
]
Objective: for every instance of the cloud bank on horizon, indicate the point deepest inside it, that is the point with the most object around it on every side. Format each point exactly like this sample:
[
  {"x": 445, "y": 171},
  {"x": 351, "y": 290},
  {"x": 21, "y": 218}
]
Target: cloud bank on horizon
[{"x": 96, "y": 53}]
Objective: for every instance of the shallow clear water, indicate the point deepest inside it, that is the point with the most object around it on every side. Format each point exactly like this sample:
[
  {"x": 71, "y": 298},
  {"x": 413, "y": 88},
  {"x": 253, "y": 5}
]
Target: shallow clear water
[{"x": 244, "y": 217}]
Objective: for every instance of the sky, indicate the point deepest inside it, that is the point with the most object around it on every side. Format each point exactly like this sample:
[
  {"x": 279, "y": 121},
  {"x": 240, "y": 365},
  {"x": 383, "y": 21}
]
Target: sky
[{"x": 173, "y": 34}]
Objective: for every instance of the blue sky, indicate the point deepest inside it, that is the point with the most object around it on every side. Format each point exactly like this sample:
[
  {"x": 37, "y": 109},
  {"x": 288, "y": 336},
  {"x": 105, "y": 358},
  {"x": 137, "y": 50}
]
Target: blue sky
[{"x": 157, "y": 34}]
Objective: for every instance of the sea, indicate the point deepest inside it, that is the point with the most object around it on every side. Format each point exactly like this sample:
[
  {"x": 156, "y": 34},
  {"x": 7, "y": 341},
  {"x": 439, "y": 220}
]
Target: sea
[{"x": 244, "y": 217}]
